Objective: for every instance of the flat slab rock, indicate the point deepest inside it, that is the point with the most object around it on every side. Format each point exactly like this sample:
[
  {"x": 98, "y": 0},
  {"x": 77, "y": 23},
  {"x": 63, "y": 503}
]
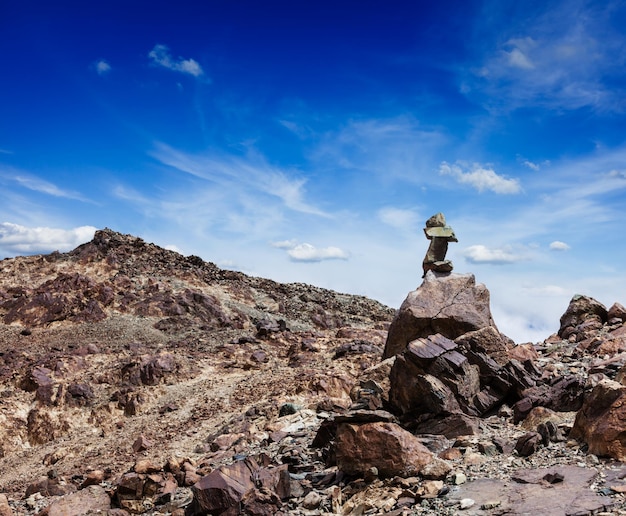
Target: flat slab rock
[{"x": 557, "y": 491}]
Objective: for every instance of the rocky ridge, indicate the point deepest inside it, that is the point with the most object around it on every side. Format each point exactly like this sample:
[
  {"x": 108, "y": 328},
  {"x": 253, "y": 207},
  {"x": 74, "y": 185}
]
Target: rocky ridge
[{"x": 134, "y": 380}]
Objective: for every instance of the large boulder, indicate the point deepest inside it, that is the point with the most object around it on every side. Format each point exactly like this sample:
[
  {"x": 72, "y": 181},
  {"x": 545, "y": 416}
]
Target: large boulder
[
  {"x": 385, "y": 446},
  {"x": 583, "y": 315},
  {"x": 449, "y": 304},
  {"x": 600, "y": 421}
]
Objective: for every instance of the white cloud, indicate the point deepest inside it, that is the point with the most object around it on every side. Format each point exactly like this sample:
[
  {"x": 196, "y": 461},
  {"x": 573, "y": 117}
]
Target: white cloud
[
  {"x": 518, "y": 59},
  {"x": 404, "y": 219},
  {"x": 21, "y": 239},
  {"x": 161, "y": 56},
  {"x": 37, "y": 184},
  {"x": 482, "y": 254},
  {"x": 548, "y": 290},
  {"x": 531, "y": 165},
  {"x": 567, "y": 56},
  {"x": 308, "y": 253},
  {"x": 559, "y": 246},
  {"x": 285, "y": 244},
  {"x": 481, "y": 178},
  {"x": 102, "y": 67},
  {"x": 251, "y": 174}
]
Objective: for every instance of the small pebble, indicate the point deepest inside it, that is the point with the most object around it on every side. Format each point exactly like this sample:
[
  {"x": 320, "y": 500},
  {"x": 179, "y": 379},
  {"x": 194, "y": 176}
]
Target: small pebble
[{"x": 466, "y": 503}]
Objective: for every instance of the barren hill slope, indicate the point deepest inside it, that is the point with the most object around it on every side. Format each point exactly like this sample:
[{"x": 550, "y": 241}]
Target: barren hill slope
[{"x": 120, "y": 338}]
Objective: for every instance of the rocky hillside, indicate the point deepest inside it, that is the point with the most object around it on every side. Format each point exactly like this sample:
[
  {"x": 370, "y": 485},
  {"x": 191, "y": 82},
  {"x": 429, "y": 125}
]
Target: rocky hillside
[{"x": 134, "y": 380}]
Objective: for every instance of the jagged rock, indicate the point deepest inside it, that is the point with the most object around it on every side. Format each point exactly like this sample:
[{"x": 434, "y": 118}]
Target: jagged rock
[
  {"x": 565, "y": 394},
  {"x": 488, "y": 341},
  {"x": 92, "y": 499},
  {"x": 243, "y": 482},
  {"x": 582, "y": 310},
  {"x": 451, "y": 426},
  {"x": 385, "y": 446},
  {"x": 439, "y": 377},
  {"x": 528, "y": 444},
  {"x": 600, "y": 421},
  {"x": 617, "y": 311},
  {"x": 451, "y": 305}
]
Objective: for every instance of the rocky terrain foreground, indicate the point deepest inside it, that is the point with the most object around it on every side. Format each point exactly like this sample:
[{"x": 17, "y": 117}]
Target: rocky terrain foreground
[{"x": 134, "y": 380}]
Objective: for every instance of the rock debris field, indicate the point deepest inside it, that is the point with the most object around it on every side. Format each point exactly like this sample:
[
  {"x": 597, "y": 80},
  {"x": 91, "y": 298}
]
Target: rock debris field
[{"x": 134, "y": 380}]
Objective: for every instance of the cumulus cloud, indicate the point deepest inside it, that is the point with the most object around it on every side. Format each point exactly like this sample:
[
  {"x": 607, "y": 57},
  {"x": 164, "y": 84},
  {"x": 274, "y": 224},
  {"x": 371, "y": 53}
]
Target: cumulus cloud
[
  {"x": 308, "y": 253},
  {"x": 161, "y": 56},
  {"x": 559, "y": 246},
  {"x": 481, "y": 178},
  {"x": 30, "y": 240},
  {"x": 498, "y": 256},
  {"x": 404, "y": 219},
  {"x": 102, "y": 67}
]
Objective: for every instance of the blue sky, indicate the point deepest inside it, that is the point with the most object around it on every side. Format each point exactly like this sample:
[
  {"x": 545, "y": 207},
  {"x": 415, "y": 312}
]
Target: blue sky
[{"x": 310, "y": 141}]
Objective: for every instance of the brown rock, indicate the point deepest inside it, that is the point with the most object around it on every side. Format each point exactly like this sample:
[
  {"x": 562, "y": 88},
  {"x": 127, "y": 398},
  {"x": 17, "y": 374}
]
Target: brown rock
[
  {"x": 93, "y": 478},
  {"x": 451, "y": 305},
  {"x": 489, "y": 341},
  {"x": 88, "y": 500},
  {"x": 617, "y": 311},
  {"x": 582, "y": 309},
  {"x": 385, "y": 446},
  {"x": 528, "y": 444},
  {"x": 451, "y": 426},
  {"x": 142, "y": 443},
  {"x": 224, "y": 488},
  {"x": 600, "y": 421},
  {"x": 5, "y": 508}
]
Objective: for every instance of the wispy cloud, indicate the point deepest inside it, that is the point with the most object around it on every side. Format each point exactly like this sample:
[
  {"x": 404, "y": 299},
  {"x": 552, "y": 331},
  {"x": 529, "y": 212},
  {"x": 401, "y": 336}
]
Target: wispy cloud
[
  {"x": 21, "y": 239},
  {"x": 481, "y": 178},
  {"x": 404, "y": 219},
  {"x": 566, "y": 57},
  {"x": 390, "y": 148},
  {"x": 160, "y": 55},
  {"x": 251, "y": 173},
  {"x": 37, "y": 184},
  {"x": 309, "y": 253},
  {"x": 102, "y": 67}
]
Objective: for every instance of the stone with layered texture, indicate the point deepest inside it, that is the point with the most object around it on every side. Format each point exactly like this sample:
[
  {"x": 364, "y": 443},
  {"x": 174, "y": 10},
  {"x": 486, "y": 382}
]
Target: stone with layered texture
[
  {"x": 450, "y": 304},
  {"x": 600, "y": 421}
]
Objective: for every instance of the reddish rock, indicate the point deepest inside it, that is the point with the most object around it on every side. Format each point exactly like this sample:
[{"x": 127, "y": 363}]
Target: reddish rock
[
  {"x": 528, "y": 444},
  {"x": 617, "y": 311},
  {"x": 490, "y": 342},
  {"x": 582, "y": 310},
  {"x": 451, "y": 305},
  {"x": 385, "y": 446},
  {"x": 600, "y": 421},
  {"x": 223, "y": 489},
  {"x": 142, "y": 443},
  {"x": 93, "y": 478}
]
